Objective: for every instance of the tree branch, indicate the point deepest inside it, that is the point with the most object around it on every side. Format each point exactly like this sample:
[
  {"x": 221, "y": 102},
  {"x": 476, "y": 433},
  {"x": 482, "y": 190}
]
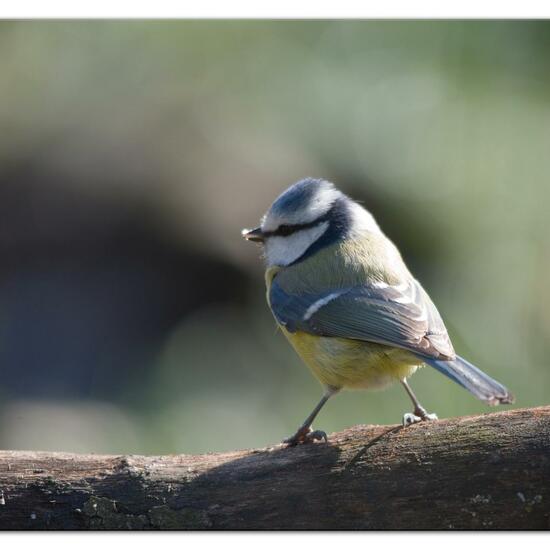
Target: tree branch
[{"x": 483, "y": 472}]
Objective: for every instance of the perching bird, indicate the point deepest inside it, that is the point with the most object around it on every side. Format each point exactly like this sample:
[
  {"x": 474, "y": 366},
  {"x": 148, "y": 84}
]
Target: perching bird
[{"x": 345, "y": 300}]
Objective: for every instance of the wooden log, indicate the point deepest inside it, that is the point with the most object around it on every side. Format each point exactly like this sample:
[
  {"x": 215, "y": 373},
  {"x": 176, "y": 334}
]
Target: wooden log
[{"x": 483, "y": 472}]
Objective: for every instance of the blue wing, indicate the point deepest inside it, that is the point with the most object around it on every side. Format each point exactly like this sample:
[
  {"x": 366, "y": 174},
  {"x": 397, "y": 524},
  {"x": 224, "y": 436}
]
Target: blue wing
[{"x": 401, "y": 315}]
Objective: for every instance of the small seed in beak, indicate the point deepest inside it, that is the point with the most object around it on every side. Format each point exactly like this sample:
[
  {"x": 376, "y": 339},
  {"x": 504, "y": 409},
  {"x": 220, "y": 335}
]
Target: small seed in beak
[{"x": 254, "y": 235}]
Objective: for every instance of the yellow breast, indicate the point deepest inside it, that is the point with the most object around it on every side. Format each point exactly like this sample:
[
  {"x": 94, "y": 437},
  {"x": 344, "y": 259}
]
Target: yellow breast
[{"x": 344, "y": 363}]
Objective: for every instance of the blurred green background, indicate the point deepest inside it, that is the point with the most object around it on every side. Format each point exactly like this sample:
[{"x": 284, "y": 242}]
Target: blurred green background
[{"x": 132, "y": 315}]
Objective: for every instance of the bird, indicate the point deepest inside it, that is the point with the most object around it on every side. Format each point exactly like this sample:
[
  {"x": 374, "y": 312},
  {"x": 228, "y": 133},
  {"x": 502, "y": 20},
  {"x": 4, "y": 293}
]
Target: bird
[{"x": 345, "y": 300}]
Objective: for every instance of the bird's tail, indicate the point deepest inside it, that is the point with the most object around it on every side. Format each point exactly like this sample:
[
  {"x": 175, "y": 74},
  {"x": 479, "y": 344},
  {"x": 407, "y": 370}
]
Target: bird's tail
[{"x": 473, "y": 379}]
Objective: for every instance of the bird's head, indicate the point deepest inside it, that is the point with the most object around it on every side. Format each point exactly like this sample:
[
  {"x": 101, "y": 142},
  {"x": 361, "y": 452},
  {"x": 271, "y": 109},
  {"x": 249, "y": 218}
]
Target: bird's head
[{"x": 309, "y": 215}]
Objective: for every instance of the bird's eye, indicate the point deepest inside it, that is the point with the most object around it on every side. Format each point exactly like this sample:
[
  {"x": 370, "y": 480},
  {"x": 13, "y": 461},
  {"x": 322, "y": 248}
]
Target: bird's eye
[{"x": 284, "y": 230}]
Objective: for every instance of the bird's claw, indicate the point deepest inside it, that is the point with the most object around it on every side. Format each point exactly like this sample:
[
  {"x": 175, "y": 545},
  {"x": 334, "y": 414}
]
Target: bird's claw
[
  {"x": 306, "y": 436},
  {"x": 317, "y": 435},
  {"x": 418, "y": 416},
  {"x": 410, "y": 418}
]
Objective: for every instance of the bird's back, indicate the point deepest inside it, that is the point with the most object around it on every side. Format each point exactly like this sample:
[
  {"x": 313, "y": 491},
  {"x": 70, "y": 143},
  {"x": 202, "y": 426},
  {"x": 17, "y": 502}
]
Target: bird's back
[{"x": 344, "y": 264}]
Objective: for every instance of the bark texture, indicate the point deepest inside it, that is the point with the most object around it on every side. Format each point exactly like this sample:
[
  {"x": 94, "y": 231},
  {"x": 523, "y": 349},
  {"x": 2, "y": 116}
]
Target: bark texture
[{"x": 483, "y": 472}]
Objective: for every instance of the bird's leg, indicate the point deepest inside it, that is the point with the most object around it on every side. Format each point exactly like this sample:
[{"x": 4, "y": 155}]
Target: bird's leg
[
  {"x": 419, "y": 413},
  {"x": 304, "y": 434}
]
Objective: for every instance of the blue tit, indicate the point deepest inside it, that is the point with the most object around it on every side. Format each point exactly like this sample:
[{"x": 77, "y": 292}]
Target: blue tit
[{"x": 345, "y": 300}]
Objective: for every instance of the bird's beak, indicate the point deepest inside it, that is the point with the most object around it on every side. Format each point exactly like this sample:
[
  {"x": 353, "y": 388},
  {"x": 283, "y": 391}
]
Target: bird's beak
[{"x": 254, "y": 235}]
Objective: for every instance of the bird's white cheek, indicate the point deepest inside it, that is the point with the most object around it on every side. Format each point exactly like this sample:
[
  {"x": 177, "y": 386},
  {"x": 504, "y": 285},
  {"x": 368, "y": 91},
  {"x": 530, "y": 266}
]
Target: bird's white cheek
[{"x": 285, "y": 250}]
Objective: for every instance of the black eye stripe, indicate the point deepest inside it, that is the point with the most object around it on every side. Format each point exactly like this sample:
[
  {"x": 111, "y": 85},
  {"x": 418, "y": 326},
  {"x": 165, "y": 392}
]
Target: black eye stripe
[{"x": 286, "y": 230}]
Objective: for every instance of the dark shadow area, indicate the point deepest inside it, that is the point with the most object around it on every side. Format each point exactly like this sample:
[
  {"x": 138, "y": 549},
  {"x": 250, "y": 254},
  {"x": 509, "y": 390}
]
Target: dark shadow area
[
  {"x": 357, "y": 457},
  {"x": 265, "y": 488}
]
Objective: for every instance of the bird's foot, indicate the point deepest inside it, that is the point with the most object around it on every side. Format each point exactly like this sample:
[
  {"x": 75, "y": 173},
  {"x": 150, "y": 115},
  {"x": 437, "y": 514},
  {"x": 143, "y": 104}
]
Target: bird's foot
[
  {"x": 410, "y": 418},
  {"x": 306, "y": 435},
  {"x": 419, "y": 415}
]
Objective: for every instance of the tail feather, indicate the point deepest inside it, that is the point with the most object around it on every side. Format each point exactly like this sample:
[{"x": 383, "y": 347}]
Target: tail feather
[{"x": 474, "y": 380}]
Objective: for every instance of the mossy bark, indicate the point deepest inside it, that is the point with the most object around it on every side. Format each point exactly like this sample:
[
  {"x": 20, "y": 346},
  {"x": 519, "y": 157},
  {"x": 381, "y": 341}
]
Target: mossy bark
[{"x": 484, "y": 472}]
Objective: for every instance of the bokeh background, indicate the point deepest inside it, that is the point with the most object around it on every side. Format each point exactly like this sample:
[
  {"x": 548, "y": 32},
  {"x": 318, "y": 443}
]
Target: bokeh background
[{"x": 132, "y": 315}]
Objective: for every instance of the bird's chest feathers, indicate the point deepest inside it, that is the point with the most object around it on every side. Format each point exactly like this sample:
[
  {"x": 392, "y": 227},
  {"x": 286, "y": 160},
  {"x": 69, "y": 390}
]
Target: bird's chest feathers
[{"x": 340, "y": 362}]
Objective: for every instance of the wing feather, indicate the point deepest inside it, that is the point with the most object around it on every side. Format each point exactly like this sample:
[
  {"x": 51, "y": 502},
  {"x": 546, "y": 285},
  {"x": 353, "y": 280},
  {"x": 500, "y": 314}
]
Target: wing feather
[{"x": 398, "y": 315}]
